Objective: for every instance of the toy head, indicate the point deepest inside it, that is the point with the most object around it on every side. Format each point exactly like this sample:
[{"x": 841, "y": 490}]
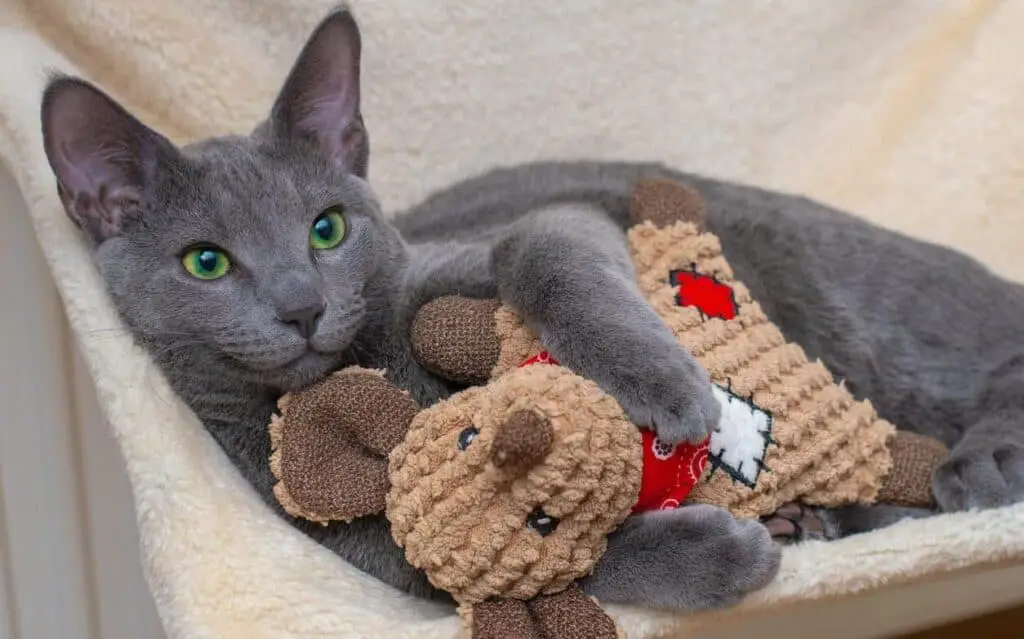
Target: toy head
[{"x": 510, "y": 489}]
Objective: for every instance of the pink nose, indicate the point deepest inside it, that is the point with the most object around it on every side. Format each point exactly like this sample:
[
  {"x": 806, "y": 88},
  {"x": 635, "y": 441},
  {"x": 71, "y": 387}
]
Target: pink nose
[{"x": 523, "y": 442}]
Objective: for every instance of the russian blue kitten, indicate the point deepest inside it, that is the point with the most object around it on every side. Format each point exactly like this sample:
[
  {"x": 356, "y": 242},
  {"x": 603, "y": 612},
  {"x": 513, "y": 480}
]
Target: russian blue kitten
[{"x": 250, "y": 266}]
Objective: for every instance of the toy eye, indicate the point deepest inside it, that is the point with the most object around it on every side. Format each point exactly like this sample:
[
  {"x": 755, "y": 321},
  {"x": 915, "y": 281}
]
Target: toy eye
[
  {"x": 467, "y": 436},
  {"x": 542, "y": 522}
]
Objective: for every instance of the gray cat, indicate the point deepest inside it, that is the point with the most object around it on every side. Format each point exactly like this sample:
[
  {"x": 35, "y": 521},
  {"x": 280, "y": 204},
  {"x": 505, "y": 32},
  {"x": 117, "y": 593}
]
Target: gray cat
[{"x": 249, "y": 266}]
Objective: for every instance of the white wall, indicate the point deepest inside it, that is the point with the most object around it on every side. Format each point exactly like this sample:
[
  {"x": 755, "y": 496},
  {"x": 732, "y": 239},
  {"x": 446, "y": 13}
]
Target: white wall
[{"x": 69, "y": 564}]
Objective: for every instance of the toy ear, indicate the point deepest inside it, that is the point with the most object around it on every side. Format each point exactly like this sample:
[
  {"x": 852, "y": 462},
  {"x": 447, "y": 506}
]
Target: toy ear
[
  {"x": 664, "y": 202},
  {"x": 331, "y": 445},
  {"x": 455, "y": 337},
  {"x": 914, "y": 458}
]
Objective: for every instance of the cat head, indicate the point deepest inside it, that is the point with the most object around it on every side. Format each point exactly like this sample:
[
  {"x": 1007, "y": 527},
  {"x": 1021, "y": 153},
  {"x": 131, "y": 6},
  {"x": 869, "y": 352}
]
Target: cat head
[{"x": 267, "y": 250}]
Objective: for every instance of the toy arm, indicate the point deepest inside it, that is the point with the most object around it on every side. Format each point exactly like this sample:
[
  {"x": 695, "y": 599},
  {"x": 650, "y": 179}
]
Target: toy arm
[
  {"x": 914, "y": 459},
  {"x": 457, "y": 338}
]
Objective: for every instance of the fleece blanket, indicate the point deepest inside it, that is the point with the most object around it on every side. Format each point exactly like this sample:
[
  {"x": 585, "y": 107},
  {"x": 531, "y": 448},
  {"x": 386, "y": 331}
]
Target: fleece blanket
[{"x": 904, "y": 112}]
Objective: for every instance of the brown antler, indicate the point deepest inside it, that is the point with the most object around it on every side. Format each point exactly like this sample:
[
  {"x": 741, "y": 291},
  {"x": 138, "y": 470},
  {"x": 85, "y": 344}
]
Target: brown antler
[{"x": 332, "y": 442}]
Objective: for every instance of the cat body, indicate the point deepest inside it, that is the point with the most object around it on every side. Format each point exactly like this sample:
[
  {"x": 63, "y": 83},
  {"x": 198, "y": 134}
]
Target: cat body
[{"x": 250, "y": 266}]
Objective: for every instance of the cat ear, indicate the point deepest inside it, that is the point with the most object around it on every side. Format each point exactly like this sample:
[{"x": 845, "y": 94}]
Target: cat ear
[
  {"x": 104, "y": 159},
  {"x": 320, "y": 98}
]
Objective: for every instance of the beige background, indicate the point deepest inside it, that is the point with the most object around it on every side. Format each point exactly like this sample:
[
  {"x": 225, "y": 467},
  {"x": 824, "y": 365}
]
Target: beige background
[{"x": 907, "y": 113}]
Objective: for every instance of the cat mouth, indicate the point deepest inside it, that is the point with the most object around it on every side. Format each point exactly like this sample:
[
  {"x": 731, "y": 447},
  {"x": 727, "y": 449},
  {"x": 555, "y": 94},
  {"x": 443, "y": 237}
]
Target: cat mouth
[{"x": 309, "y": 367}]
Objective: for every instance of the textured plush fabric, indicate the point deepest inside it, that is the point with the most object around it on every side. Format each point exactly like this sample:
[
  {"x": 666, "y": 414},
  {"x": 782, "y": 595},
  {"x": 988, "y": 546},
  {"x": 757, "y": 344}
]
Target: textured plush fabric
[
  {"x": 457, "y": 508},
  {"x": 905, "y": 112},
  {"x": 470, "y": 324},
  {"x": 331, "y": 444},
  {"x": 813, "y": 442}
]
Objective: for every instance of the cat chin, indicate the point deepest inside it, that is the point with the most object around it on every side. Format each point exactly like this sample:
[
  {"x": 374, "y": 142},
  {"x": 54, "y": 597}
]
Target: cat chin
[{"x": 308, "y": 368}]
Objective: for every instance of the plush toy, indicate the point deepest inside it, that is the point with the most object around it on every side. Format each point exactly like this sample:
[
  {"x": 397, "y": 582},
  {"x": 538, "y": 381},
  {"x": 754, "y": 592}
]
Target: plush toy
[
  {"x": 504, "y": 493},
  {"x": 787, "y": 432}
]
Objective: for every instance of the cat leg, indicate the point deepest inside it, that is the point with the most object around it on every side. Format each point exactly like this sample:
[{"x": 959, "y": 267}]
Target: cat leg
[
  {"x": 986, "y": 468},
  {"x": 692, "y": 558},
  {"x": 566, "y": 271}
]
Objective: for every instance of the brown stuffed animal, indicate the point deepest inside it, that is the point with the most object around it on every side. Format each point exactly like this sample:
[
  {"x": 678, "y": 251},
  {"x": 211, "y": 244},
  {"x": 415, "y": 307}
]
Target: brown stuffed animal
[
  {"x": 473, "y": 519},
  {"x": 503, "y": 494},
  {"x": 788, "y": 432}
]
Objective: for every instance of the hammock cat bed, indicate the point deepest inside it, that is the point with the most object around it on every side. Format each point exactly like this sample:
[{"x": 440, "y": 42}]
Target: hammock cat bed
[{"x": 218, "y": 562}]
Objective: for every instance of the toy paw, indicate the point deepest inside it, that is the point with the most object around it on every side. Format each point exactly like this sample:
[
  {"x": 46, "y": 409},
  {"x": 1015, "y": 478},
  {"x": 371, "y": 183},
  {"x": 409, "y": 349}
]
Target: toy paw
[
  {"x": 569, "y": 614},
  {"x": 664, "y": 202},
  {"x": 331, "y": 443},
  {"x": 455, "y": 338},
  {"x": 914, "y": 459}
]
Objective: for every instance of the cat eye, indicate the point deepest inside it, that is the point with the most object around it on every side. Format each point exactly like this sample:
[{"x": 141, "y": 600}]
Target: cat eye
[
  {"x": 328, "y": 229},
  {"x": 206, "y": 262},
  {"x": 541, "y": 522},
  {"x": 467, "y": 436}
]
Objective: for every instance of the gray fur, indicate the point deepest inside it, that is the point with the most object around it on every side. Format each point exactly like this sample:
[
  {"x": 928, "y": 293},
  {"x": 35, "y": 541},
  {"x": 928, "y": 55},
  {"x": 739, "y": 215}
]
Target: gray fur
[
  {"x": 928, "y": 334},
  {"x": 701, "y": 544}
]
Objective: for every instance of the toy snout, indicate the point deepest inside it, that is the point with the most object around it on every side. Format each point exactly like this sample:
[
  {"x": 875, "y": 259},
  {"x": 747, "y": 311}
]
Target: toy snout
[{"x": 522, "y": 442}]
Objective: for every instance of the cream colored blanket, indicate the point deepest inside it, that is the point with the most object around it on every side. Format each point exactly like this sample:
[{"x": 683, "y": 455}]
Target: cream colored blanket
[{"x": 906, "y": 112}]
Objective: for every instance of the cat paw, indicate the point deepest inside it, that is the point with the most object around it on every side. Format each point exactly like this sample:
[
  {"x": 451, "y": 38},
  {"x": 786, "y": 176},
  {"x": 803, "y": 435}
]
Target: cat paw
[
  {"x": 985, "y": 474},
  {"x": 693, "y": 558},
  {"x": 793, "y": 522},
  {"x": 671, "y": 394}
]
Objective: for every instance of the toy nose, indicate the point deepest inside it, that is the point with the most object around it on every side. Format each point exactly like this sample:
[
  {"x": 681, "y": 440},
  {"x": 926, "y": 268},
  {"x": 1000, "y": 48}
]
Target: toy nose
[{"x": 522, "y": 442}]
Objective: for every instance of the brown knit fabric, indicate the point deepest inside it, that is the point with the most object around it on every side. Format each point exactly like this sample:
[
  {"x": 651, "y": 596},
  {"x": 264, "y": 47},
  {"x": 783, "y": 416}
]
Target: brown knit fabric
[
  {"x": 570, "y": 614},
  {"x": 454, "y": 337},
  {"x": 825, "y": 448},
  {"x": 523, "y": 441},
  {"x": 914, "y": 459},
  {"x": 664, "y": 202},
  {"x": 464, "y": 520},
  {"x": 502, "y": 619},
  {"x": 330, "y": 445}
]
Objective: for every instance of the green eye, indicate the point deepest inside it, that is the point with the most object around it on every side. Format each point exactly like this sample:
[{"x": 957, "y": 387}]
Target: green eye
[
  {"x": 206, "y": 262},
  {"x": 328, "y": 230}
]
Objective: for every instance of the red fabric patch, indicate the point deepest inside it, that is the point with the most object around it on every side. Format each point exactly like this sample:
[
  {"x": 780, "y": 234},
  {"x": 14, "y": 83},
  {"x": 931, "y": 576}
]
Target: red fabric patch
[
  {"x": 542, "y": 357},
  {"x": 670, "y": 472},
  {"x": 708, "y": 295}
]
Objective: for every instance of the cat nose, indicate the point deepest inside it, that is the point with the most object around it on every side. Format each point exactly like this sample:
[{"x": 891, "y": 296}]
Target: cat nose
[{"x": 304, "y": 319}]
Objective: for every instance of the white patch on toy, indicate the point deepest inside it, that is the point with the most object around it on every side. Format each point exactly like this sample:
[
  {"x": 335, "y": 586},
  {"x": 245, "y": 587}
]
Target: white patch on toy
[{"x": 739, "y": 444}]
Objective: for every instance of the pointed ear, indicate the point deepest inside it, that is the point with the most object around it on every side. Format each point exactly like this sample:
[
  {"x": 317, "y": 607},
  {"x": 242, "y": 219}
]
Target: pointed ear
[
  {"x": 104, "y": 159},
  {"x": 320, "y": 99}
]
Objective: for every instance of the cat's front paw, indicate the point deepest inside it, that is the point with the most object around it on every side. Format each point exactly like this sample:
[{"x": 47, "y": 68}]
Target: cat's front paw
[
  {"x": 983, "y": 473},
  {"x": 692, "y": 558},
  {"x": 671, "y": 394}
]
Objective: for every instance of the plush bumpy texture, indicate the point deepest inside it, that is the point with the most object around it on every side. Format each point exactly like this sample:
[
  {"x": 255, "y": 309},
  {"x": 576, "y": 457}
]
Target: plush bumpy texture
[
  {"x": 797, "y": 434},
  {"x": 476, "y": 473}
]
